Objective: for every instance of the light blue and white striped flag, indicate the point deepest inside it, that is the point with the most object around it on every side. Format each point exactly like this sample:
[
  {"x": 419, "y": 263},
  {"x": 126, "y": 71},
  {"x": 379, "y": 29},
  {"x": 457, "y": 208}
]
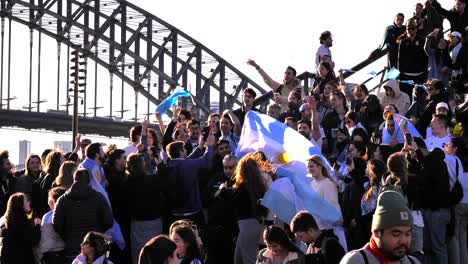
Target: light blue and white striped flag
[
  {"x": 169, "y": 102},
  {"x": 392, "y": 74},
  {"x": 288, "y": 151}
]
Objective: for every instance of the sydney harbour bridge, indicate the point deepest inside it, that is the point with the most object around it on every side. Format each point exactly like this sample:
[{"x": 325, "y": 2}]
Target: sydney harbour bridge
[{"x": 141, "y": 58}]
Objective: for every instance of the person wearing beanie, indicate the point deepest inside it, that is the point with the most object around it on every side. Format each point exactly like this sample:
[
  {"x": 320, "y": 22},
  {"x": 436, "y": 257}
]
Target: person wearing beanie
[{"x": 392, "y": 226}]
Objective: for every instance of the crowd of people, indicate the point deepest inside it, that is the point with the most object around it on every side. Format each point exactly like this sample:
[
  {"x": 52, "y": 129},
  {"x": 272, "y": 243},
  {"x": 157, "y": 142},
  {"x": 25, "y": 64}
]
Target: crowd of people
[{"x": 400, "y": 177}]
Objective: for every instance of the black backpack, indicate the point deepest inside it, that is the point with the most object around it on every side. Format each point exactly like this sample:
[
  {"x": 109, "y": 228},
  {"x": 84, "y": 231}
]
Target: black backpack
[{"x": 456, "y": 194}]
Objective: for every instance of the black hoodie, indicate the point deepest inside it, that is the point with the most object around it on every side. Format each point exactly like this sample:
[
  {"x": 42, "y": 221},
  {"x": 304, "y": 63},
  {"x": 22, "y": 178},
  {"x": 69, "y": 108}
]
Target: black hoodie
[
  {"x": 430, "y": 109},
  {"x": 436, "y": 189},
  {"x": 79, "y": 211}
]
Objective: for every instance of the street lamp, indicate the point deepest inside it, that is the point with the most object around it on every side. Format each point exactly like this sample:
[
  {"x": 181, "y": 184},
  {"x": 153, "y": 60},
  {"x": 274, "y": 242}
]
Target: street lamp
[{"x": 77, "y": 81}]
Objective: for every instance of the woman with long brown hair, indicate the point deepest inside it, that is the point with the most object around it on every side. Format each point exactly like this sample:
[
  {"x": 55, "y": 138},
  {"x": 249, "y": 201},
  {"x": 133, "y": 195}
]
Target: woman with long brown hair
[
  {"x": 249, "y": 188},
  {"x": 42, "y": 186},
  {"x": 65, "y": 176},
  {"x": 32, "y": 172},
  {"x": 375, "y": 171},
  {"x": 326, "y": 186},
  {"x": 20, "y": 233}
]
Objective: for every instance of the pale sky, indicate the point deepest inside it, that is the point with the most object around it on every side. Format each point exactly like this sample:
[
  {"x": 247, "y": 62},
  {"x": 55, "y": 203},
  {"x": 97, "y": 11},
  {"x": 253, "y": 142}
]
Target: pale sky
[{"x": 274, "y": 33}]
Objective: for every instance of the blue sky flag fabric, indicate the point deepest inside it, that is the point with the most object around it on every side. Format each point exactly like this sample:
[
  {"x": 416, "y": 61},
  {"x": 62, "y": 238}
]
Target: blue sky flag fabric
[
  {"x": 392, "y": 74},
  {"x": 288, "y": 151},
  {"x": 169, "y": 102}
]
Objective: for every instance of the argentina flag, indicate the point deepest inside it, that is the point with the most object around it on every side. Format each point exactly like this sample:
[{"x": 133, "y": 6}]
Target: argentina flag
[{"x": 288, "y": 151}]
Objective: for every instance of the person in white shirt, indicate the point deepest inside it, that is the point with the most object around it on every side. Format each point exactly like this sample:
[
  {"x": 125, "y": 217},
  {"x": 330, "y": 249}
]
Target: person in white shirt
[
  {"x": 135, "y": 135},
  {"x": 323, "y": 52},
  {"x": 441, "y": 109},
  {"x": 440, "y": 136}
]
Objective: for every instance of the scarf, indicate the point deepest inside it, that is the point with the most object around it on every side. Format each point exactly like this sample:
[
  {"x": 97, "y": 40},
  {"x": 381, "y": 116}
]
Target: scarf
[{"x": 374, "y": 249}]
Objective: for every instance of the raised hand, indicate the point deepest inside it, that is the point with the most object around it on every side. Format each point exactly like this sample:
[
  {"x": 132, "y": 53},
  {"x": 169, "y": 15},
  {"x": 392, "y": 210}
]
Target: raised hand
[{"x": 252, "y": 63}]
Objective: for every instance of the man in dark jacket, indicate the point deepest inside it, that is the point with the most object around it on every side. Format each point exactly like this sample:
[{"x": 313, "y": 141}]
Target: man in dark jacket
[
  {"x": 392, "y": 32},
  {"x": 436, "y": 192},
  {"x": 412, "y": 59},
  {"x": 323, "y": 245},
  {"x": 221, "y": 225},
  {"x": 437, "y": 94},
  {"x": 79, "y": 211},
  {"x": 248, "y": 99},
  {"x": 457, "y": 16},
  {"x": 7, "y": 181},
  {"x": 187, "y": 202}
]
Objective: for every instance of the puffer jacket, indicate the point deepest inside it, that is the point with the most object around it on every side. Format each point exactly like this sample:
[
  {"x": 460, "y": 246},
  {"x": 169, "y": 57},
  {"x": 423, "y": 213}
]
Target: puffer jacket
[
  {"x": 401, "y": 100},
  {"x": 79, "y": 211}
]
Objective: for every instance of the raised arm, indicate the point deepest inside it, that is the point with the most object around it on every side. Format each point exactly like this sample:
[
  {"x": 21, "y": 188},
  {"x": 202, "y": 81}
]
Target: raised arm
[
  {"x": 314, "y": 118},
  {"x": 274, "y": 85},
  {"x": 160, "y": 123},
  {"x": 77, "y": 143},
  {"x": 235, "y": 120},
  {"x": 442, "y": 11}
]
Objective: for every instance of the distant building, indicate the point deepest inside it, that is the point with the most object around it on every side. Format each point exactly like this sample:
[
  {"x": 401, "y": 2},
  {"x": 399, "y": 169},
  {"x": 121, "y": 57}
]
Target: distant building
[
  {"x": 24, "y": 151},
  {"x": 63, "y": 146}
]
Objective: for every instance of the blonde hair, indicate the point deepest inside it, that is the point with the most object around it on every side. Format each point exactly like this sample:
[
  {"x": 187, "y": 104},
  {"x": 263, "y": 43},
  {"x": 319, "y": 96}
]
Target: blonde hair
[{"x": 319, "y": 162}]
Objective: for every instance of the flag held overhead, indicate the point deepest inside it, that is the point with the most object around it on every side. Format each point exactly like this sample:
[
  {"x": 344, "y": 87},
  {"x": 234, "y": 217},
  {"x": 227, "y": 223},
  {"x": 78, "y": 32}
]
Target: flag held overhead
[{"x": 169, "y": 102}]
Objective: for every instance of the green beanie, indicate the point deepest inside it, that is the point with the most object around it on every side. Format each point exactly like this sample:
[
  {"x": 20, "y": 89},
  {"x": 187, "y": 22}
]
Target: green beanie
[{"x": 392, "y": 210}]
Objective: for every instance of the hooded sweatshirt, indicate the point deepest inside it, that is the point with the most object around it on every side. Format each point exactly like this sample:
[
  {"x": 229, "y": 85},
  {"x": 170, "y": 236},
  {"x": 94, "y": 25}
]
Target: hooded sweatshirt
[{"x": 401, "y": 100}]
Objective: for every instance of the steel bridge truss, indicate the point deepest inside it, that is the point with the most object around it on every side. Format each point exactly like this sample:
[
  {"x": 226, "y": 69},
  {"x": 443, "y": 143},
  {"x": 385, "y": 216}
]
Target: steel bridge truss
[{"x": 141, "y": 49}]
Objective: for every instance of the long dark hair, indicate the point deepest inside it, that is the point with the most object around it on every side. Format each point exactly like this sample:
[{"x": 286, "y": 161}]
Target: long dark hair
[
  {"x": 249, "y": 175},
  {"x": 157, "y": 250},
  {"x": 28, "y": 171},
  {"x": 53, "y": 162},
  {"x": 376, "y": 170},
  {"x": 462, "y": 151},
  {"x": 276, "y": 234},
  {"x": 192, "y": 250},
  {"x": 15, "y": 216},
  {"x": 330, "y": 75},
  {"x": 397, "y": 166}
]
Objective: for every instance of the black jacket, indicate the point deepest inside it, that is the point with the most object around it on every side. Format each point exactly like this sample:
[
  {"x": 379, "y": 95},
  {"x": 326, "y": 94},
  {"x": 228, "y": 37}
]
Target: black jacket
[
  {"x": 18, "y": 243},
  {"x": 430, "y": 109},
  {"x": 144, "y": 196},
  {"x": 436, "y": 181},
  {"x": 331, "y": 252},
  {"x": 7, "y": 188},
  {"x": 79, "y": 211},
  {"x": 411, "y": 55},
  {"x": 392, "y": 32},
  {"x": 457, "y": 22},
  {"x": 117, "y": 190}
]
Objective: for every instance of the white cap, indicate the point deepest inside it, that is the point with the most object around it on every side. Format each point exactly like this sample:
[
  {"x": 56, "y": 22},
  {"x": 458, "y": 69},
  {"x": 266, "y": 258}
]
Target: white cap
[
  {"x": 442, "y": 104},
  {"x": 456, "y": 34}
]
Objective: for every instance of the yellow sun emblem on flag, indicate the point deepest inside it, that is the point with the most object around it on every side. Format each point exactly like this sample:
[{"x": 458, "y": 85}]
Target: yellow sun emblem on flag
[{"x": 284, "y": 158}]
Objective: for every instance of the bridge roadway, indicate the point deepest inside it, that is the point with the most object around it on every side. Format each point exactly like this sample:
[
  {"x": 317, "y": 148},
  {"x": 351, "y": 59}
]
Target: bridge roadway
[{"x": 61, "y": 122}]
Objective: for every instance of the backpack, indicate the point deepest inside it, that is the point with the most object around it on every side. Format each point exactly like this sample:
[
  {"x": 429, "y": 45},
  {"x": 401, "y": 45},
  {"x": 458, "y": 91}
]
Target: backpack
[
  {"x": 456, "y": 194},
  {"x": 389, "y": 186},
  {"x": 320, "y": 257}
]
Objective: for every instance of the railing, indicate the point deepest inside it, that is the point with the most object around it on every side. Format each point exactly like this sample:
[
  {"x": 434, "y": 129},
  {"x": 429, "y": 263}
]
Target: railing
[{"x": 306, "y": 78}]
